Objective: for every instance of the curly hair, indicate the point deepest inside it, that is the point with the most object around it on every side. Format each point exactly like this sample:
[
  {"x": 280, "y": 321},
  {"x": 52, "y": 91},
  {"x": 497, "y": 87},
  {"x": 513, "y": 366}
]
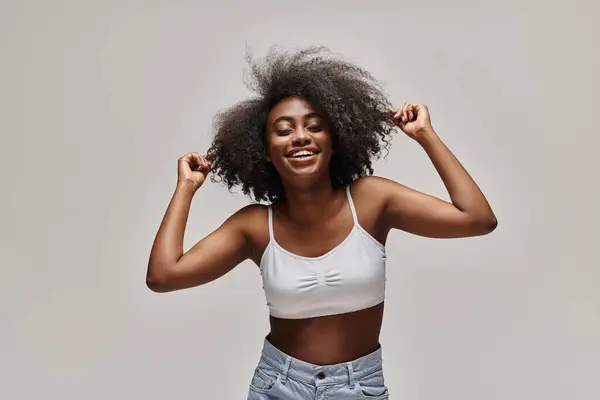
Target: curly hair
[{"x": 349, "y": 97}]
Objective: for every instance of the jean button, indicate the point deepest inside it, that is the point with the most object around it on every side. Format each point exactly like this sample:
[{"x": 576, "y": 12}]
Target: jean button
[{"x": 321, "y": 375}]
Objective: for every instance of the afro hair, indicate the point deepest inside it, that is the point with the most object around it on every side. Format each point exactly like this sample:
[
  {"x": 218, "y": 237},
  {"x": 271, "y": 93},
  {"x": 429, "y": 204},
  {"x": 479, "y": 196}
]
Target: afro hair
[{"x": 351, "y": 100}]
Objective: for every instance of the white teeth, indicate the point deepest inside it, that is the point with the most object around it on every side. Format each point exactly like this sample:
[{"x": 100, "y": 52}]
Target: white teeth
[{"x": 302, "y": 153}]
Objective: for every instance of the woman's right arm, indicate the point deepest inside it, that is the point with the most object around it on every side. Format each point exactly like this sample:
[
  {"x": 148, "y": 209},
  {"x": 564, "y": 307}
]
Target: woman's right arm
[{"x": 169, "y": 268}]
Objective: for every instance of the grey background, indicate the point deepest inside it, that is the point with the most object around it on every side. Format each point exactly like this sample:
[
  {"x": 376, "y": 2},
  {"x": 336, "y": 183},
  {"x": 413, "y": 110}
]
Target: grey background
[{"x": 99, "y": 99}]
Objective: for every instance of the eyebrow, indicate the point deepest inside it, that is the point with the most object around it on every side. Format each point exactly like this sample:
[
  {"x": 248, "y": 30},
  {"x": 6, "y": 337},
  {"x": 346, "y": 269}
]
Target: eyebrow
[{"x": 290, "y": 119}]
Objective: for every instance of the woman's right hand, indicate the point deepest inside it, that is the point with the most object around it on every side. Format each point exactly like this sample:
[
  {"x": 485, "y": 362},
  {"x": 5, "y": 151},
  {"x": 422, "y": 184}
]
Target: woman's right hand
[{"x": 192, "y": 169}]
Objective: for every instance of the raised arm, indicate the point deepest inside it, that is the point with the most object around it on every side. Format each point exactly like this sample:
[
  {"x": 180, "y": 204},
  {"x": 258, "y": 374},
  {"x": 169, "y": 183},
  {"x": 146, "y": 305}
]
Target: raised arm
[
  {"x": 468, "y": 213},
  {"x": 169, "y": 268}
]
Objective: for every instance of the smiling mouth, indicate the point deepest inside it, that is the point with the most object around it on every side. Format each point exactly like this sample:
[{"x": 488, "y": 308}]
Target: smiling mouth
[{"x": 302, "y": 154}]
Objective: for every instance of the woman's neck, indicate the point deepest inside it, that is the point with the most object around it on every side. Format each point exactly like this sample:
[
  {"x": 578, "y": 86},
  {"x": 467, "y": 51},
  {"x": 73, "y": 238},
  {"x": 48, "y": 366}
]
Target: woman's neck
[{"x": 310, "y": 205}]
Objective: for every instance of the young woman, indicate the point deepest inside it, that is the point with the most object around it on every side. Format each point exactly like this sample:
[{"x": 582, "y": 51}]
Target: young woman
[{"x": 304, "y": 145}]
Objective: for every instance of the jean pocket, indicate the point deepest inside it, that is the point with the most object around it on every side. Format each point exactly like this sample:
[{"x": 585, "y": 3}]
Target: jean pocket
[
  {"x": 373, "y": 386},
  {"x": 263, "y": 380}
]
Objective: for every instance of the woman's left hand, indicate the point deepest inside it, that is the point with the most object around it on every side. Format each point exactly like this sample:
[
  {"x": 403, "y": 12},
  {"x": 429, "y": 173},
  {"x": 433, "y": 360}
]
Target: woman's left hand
[{"x": 413, "y": 119}]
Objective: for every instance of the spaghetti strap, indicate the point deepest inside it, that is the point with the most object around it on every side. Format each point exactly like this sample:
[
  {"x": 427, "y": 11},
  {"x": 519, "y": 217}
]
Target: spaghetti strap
[
  {"x": 352, "y": 208},
  {"x": 271, "y": 236}
]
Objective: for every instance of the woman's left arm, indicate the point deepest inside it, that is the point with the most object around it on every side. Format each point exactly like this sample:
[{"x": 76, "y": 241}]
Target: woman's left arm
[{"x": 469, "y": 213}]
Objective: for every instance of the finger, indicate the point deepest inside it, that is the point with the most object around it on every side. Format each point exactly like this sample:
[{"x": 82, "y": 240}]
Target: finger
[
  {"x": 424, "y": 108},
  {"x": 195, "y": 161},
  {"x": 398, "y": 116},
  {"x": 195, "y": 158},
  {"x": 411, "y": 112},
  {"x": 421, "y": 112},
  {"x": 206, "y": 165},
  {"x": 405, "y": 112}
]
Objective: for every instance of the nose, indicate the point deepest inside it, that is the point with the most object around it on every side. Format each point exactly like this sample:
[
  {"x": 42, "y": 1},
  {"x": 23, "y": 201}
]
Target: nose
[{"x": 301, "y": 137}]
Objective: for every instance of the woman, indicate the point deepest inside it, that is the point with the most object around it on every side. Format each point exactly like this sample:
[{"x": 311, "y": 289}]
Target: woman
[{"x": 305, "y": 146}]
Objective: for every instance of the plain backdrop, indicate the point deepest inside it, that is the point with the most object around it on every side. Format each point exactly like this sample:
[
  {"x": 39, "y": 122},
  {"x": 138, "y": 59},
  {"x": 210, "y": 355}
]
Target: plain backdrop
[{"x": 100, "y": 98}]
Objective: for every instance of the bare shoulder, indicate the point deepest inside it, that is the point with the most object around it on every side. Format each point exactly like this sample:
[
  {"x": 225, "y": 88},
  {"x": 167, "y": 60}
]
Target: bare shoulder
[
  {"x": 375, "y": 190},
  {"x": 253, "y": 221},
  {"x": 248, "y": 221},
  {"x": 370, "y": 194},
  {"x": 249, "y": 216},
  {"x": 374, "y": 182},
  {"x": 250, "y": 212}
]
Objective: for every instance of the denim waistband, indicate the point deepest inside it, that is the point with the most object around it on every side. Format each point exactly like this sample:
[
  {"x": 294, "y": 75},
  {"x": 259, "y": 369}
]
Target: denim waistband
[{"x": 320, "y": 375}]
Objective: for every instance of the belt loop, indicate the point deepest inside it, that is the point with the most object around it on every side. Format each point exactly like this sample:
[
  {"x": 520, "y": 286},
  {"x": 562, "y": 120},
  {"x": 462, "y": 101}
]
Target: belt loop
[
  {"x": 351, "y": 381},
  {"x": 285, "y": 369}
]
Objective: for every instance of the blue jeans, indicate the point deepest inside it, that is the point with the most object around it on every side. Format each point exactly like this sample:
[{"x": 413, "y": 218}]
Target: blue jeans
[{"x": 282, "y": 377}]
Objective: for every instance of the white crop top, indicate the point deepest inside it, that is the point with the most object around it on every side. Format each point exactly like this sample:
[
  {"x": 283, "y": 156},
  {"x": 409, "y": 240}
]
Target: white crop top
[{"x": 349, "y": 277}]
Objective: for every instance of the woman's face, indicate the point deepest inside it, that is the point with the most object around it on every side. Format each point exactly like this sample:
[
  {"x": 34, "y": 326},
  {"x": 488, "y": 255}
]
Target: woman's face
[{"x": 298, "y": 140}]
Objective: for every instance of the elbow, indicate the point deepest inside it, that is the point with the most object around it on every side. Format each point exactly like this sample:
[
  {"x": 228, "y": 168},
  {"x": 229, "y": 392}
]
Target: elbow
[
  {"x": 487, "y": 225},
  {"x": 155, "y": 285},
  {"x": 480, "y": 225},
  {"x": 493, "y": 224},
  {"x": 157, "y": 281}
]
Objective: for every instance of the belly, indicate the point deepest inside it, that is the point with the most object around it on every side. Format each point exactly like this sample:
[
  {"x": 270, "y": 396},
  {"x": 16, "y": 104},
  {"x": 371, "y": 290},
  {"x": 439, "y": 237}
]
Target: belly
[{"x": 331, "y": 339}]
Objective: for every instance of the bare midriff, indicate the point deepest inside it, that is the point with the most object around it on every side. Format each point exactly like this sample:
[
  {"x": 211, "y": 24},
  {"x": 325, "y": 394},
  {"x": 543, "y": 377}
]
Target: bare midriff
[{"x": 330, "y": 339}]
